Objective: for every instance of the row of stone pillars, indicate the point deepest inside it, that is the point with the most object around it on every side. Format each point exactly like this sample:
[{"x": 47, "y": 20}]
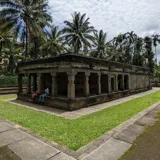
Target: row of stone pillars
[{"x": 37, "y": 83}]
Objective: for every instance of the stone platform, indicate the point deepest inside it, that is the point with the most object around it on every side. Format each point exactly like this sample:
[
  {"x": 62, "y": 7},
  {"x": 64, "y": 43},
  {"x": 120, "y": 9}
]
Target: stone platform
[{"x": 80, "y": 112}]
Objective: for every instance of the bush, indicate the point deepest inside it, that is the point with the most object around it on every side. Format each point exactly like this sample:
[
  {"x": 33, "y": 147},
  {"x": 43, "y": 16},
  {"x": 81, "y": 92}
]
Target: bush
[{"x": 10, "y": 80}]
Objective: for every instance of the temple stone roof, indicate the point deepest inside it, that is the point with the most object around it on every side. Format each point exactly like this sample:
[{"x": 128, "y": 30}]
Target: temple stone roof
[{"x": 81, "y": 59}]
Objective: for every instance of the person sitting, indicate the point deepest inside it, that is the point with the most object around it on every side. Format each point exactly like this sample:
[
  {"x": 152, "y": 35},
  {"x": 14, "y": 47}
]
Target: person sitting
[
  {"x": 42, "y": 96},
  {"x": 34, "y": 95}
]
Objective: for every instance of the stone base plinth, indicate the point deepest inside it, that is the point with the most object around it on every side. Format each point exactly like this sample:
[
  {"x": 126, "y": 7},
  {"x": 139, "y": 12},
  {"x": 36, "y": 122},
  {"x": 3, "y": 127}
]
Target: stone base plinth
[{"x": 77, "y": 103}]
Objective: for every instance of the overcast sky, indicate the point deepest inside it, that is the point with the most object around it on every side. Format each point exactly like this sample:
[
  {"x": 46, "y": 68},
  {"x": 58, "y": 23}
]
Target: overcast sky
[{"x": 113, "y": 16}]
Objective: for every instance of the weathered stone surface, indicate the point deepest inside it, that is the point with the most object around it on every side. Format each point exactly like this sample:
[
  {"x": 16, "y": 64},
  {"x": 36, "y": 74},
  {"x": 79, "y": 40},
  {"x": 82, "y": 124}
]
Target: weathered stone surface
[
  {"x": 136, "y": 128},
  {"x": 11, "y": 136},
  {"x": 62, "y": 156},
  {"x": 33, "y": 149},
  {"x": 5, "y": 126},
  {"x": 7, "y": 154},
  {"x": 110, "y": 150},
  {"x": 83, "y": 155},
  {"x": 130, "y": 134},
  {"x": 145, "y": 121},
  {"x": 127, "y": 136}
]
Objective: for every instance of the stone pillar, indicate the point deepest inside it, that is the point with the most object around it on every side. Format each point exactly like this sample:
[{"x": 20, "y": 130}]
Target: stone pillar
[
  {"x": 99, "y": 83},
  {"x": 40, "y": 82},
  {"x": 109, "y": 83},
  {"x": 54, "y": 84},
  {"x": 29, "y": 84},
  {"x": 19, "y": 83},
  {"x": 116, "y": 82},
  {"x": 71, "y": 85},
  {"x": 86, "y": 84},
  {"x": 34, "y": 82},
  {"x": 123, "y": 81},
  {"x": 129, "y": 82}
]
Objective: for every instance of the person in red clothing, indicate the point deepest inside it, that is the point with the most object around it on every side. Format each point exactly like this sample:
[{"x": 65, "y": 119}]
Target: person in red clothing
[{"x": 34, "y": 95}]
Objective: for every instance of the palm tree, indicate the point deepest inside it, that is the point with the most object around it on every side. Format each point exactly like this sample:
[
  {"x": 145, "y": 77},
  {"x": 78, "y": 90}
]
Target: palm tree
[
  {"x": 100, "y": 45},
  {"x": 78, "y": 33},
  {"x": 156, "y": 39},
  {"x": 28, "y": 17},
  {"x": 55, "y": 43},
  {"x": 118, "y": 44},
  {"x": 11, "y": 51},
  {"x": 149, "y": 53}
]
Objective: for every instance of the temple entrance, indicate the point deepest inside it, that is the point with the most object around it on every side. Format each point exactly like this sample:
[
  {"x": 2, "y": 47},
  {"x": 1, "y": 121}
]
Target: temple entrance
[
  {"x": 126, "y": 82},
  {"x": 62, "y": 84},
  {"x": 93, "y": 84},
  {"x": 104, "y": 83},
  {"x": 79, "y": 84}
]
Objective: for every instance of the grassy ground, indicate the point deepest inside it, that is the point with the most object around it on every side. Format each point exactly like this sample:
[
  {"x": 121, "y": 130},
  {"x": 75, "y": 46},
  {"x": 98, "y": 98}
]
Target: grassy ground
[{"x": 75, "y": 133}]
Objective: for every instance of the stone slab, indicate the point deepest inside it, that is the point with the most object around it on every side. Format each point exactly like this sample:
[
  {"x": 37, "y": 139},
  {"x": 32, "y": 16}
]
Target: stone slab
[
  {"x": 127, "y": 136},
  {"x": 110, "y": 150},
  {"x": 136, "y": 128},
  {"x": 33, "y": 149},
  {"x": 62, "y": 156},
  {"x": 5, "y": 126},
  {"x": 145, "y": 121},
  {"x": 11, "y": 136},
  {"x": 130, "y": 133}
]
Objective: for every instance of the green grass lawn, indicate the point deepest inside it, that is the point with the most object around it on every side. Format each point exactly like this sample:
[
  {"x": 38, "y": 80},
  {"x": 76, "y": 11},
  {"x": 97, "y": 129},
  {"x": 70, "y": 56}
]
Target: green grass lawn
[{"x": 75, "y": 133}]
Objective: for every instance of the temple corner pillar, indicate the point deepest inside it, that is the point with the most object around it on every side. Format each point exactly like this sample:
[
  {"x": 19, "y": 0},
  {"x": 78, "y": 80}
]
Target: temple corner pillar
[{"x": 71, "y": 84}]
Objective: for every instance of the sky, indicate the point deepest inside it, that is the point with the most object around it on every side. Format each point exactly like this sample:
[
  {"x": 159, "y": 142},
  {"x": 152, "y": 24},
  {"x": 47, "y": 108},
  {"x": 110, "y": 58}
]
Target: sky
[{"x": 113, "y": 16}]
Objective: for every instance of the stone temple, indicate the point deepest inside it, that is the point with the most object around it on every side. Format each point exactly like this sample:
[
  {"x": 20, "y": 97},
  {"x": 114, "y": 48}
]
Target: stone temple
[{"x": 78, "y": 81}]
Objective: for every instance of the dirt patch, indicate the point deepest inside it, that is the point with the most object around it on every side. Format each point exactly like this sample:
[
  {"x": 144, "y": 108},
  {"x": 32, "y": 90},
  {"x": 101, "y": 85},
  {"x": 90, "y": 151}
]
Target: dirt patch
[
  {"x": 146, "y": 146},
  {"x": 7, "y": 154}
]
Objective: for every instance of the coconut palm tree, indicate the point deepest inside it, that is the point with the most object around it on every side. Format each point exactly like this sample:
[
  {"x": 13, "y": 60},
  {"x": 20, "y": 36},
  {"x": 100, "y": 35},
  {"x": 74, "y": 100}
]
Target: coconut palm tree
[
  {"x": 55, "y": 43},
  {"x": 11, "y": 51},
  {"x": 149, "y": 53},
  {"x": 99, "y": 45},
  {"x": 156, "y": 40},
  {"x": 28, "y": 17},
  {"x": 78, "y": 33}
]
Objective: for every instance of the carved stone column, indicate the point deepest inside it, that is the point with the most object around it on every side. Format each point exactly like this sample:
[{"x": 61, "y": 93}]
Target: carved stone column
[
  {"x": 86, "y": 84},
  {"x": 29, "y": 84},
  {"x": 123, "y": 81},
  {"x": 129, "y": 83},
  {"x": 19, "y": 83},
  {"x": 116, "y": 82},
  {"x": 71, "y": 85},
  {"x": 40, "y": 82},
  {"x": 54, "y": 84},
  {"x": 99, "y": 83},
  {"x": 34, "y": 82},
  {"x": 109, "y": 83}
]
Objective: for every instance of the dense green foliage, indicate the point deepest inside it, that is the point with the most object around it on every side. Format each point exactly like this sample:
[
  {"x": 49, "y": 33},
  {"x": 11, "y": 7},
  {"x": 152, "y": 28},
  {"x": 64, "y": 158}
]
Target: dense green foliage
[
  {"x": 10, "y": 80},
  {"x": 75, "y": 133},
  {"x": 26, "y": 33}
]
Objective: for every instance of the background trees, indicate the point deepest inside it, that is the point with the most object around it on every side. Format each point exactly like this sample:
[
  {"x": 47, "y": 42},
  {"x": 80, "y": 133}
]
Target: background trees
[{"x": 26, "y": 33}]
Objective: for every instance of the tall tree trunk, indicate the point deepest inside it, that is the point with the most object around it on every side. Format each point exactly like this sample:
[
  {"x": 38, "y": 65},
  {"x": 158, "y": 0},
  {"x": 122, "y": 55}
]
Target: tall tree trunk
[
  {"x": 156, "y": 55},
  {"x": 26, "y": 54}
]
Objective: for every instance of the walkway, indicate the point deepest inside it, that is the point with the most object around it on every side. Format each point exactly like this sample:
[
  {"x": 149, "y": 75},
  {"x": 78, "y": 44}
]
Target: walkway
[
  {"x": 18, "y": 145},
  {"x": 80, "y": 112},
  {"x": 147, "y": 146}
]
